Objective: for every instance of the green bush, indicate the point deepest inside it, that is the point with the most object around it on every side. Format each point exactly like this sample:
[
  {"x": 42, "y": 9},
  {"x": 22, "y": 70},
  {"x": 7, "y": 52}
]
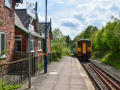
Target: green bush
[
  {"x": 66, "y": 51},
  {"x": 55, "y": 57},
  {"x": 4, "y": 86},
  {"x": 112, "y": 58}
]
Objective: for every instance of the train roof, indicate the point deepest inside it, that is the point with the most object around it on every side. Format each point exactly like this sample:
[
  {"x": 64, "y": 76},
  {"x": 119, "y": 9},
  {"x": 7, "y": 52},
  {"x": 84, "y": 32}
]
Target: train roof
[{"x": 84, "y": 40}]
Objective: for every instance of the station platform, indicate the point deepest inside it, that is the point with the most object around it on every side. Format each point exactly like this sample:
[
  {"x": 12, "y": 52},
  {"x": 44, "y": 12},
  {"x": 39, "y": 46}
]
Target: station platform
[{"x": 67, "y": 74}]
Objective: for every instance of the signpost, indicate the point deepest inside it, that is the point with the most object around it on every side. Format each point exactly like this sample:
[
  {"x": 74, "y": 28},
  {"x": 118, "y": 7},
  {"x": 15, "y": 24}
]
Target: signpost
[{"x": 30, "y": 10}]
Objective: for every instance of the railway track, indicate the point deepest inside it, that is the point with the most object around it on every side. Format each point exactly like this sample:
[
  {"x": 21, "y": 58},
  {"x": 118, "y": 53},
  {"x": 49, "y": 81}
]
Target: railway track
[{"x": 101, "y": 78}]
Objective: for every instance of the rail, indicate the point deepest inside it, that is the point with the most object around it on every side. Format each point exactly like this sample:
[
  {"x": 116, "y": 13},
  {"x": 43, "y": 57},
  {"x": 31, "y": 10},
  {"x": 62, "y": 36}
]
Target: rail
[{"x": 107, "y": 79}]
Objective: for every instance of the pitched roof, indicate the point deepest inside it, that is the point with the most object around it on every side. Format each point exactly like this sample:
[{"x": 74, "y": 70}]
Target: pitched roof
[
  {"x": 19, "y": 24},
  {"x": 42, "y": 26},
  {"x": 24, "y": 17},
  {"x": 22, "y": 20}
]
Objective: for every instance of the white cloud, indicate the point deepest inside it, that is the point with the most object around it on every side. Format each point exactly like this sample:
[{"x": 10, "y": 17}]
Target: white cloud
[
  {"x": 90, "y": 12},
  {"x": 41, "y": 18}
]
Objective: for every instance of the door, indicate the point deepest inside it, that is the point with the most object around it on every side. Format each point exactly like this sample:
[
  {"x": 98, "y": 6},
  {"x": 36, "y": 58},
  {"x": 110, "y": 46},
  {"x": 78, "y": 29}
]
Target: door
[{"x": 84, "y": 48}]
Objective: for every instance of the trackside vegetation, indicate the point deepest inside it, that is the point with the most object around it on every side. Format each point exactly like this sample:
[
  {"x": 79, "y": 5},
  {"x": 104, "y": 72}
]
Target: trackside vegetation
[
  {"x": 61, "y": 45},
  {"x": 105, "y": 42}
]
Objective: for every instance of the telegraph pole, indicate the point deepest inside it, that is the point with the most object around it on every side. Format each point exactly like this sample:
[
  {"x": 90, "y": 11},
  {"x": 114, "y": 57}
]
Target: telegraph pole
[
  {"x": 31, "y": 12},
  {"x": 45, "y": 60}
]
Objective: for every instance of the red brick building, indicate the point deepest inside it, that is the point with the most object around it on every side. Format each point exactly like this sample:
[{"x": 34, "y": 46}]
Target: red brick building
[
  {"x": 14, "y": 26},
  {"x": 21, "y": 32},
  {"x": 49, "y": 34},
  {"x": 7, "y": 32}
]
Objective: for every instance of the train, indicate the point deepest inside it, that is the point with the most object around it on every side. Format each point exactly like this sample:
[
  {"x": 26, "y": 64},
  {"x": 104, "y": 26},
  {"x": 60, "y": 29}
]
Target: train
[{"x": 83, "y": 49}]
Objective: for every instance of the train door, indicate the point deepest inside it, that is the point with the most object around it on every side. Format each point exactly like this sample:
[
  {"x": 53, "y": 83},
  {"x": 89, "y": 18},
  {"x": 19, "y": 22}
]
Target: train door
[{"x": 84, "y": 47}]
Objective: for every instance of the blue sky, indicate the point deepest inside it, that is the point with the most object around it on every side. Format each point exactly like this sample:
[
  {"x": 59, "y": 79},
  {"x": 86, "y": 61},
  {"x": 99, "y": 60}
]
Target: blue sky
[{"x": 73, "y": 16}]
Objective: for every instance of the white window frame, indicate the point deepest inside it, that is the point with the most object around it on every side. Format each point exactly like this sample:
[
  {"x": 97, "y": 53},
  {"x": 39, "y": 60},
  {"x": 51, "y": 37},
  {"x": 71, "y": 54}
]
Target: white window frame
[
  {"x": 32, "y": 48},
  {"x": 20, "y": 36},
  {"x": 39, "y": 45},
  {"x": 4, "y": 56},
  {"x": 6, "y": 4}
]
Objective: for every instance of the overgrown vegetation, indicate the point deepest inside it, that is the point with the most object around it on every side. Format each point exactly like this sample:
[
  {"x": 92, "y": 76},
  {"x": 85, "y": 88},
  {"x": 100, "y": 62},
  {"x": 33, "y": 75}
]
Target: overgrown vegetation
[
  {"x": 105, "y": 42},
  {"x": 4, "y": 85},
  {"x": 60, "y": 45}
]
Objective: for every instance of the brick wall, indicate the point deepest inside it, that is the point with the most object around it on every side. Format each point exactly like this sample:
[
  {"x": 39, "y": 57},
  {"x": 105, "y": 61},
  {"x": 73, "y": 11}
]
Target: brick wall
[{"x": 7, "y": 25}]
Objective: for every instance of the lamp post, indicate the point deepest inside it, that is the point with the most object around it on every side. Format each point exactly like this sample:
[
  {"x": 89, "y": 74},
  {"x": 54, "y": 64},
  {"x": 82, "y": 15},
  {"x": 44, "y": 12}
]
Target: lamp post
[{"x": 45, "y": 60}]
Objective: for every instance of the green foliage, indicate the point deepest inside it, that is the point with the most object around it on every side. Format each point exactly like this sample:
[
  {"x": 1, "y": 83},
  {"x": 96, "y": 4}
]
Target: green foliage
[
  {"x": 57, "y": 34},
  {"x": 61, "y": 45},
  {"x": 112, "y": 58},
  {"x": 2, "y": 54},
  {"x": 88, "y": 33},
  {"x": 4, "y": 86},
  {"x": 66, "y": 51},
  {"x": 105, "y": 42}
]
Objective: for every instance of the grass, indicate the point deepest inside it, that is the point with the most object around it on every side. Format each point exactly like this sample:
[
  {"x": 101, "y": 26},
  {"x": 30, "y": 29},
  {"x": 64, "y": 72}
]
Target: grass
[
  {"x": 99, "y": 54},
  {"x": 111, "y": 58}
]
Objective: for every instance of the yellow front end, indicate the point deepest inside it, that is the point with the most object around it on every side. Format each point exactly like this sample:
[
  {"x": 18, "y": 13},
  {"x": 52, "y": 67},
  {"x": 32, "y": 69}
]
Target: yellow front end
[
  {"x": 84, "y": 48},
  {"x": 79, "y": 52}
]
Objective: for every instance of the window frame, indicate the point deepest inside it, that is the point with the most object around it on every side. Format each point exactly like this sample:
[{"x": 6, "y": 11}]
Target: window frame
[
  {"x": 19, "y": 40},
  {"x": 39, "y": 45},
  {"x": 4, "y": 56},
  {"x": 6, "y": 1},
  {"x": 32, "y": 48}
]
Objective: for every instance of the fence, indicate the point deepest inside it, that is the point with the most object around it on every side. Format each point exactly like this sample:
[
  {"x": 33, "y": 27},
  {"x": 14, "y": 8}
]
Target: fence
[{"x": 16, "y": 72}]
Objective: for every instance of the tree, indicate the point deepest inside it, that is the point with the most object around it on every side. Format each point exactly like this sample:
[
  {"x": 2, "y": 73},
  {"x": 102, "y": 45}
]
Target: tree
[
  {"x": 68, "y": 40},
  {"x": 89, "y": 31},
  {"x": 57, "y": 34},
  {"x": 60, "y": 44}
]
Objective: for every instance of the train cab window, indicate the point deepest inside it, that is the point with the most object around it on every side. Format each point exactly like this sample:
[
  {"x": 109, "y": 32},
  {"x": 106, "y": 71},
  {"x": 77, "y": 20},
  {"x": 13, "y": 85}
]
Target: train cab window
[
  {"x": 89, "y": 44},
  {"x": 79, "y": 44}
]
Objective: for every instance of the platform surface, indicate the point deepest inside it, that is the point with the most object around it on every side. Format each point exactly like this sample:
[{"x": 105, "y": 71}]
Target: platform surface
[{"x": 67, "y": 74}]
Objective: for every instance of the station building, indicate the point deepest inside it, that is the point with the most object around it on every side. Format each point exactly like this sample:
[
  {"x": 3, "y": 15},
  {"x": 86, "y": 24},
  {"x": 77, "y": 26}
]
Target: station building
[
  {"x": 14, "y": 31},
  {"x": 7, "y": 30}
]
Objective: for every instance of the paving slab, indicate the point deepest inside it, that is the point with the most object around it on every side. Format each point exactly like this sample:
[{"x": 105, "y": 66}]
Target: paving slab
[{"x": 67, "y": 74}]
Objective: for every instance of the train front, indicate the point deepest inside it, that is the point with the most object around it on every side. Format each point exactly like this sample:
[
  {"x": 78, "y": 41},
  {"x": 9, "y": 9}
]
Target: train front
[{"x": 84, "y": 49}]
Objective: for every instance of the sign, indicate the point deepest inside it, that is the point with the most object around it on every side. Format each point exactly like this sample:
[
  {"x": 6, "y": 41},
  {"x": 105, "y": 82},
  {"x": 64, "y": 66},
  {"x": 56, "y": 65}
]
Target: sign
[
  {"x": 31, "y": 28},
  {"x": 18, "y": 1},
  {"x": 30, "y": 10}
]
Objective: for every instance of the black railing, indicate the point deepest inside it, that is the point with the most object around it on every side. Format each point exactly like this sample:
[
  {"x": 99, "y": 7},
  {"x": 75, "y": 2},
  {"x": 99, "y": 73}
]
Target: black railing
[{"x": 16, "y": 72}]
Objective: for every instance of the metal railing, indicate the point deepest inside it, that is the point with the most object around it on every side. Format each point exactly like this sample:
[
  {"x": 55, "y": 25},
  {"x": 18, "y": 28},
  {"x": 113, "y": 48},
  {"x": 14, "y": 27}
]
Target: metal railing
[{"x": 16, "y": 72}]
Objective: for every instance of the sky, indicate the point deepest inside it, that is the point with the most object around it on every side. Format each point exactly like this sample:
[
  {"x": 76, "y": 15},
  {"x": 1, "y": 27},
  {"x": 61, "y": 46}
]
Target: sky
[{"x": 73, "y": 16}]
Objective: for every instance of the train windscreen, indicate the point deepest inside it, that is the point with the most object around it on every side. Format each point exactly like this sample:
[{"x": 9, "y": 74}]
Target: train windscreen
[
  {"x": 89, "y": 44},
  {"x": 79, "y": 44}
]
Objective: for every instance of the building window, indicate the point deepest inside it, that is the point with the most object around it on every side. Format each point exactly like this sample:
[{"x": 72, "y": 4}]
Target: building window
[
  {"x": 8, "y": 3},
  {"x": 2, "y": 41},
  {"x": 18, "y": 43},
  {"x": 32, "y": 45},
  {"x": 39, "y": 46}
]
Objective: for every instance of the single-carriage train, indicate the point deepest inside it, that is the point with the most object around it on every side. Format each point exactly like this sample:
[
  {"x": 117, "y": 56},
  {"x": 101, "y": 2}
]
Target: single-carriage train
[{"x": 84, "y": 49}]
